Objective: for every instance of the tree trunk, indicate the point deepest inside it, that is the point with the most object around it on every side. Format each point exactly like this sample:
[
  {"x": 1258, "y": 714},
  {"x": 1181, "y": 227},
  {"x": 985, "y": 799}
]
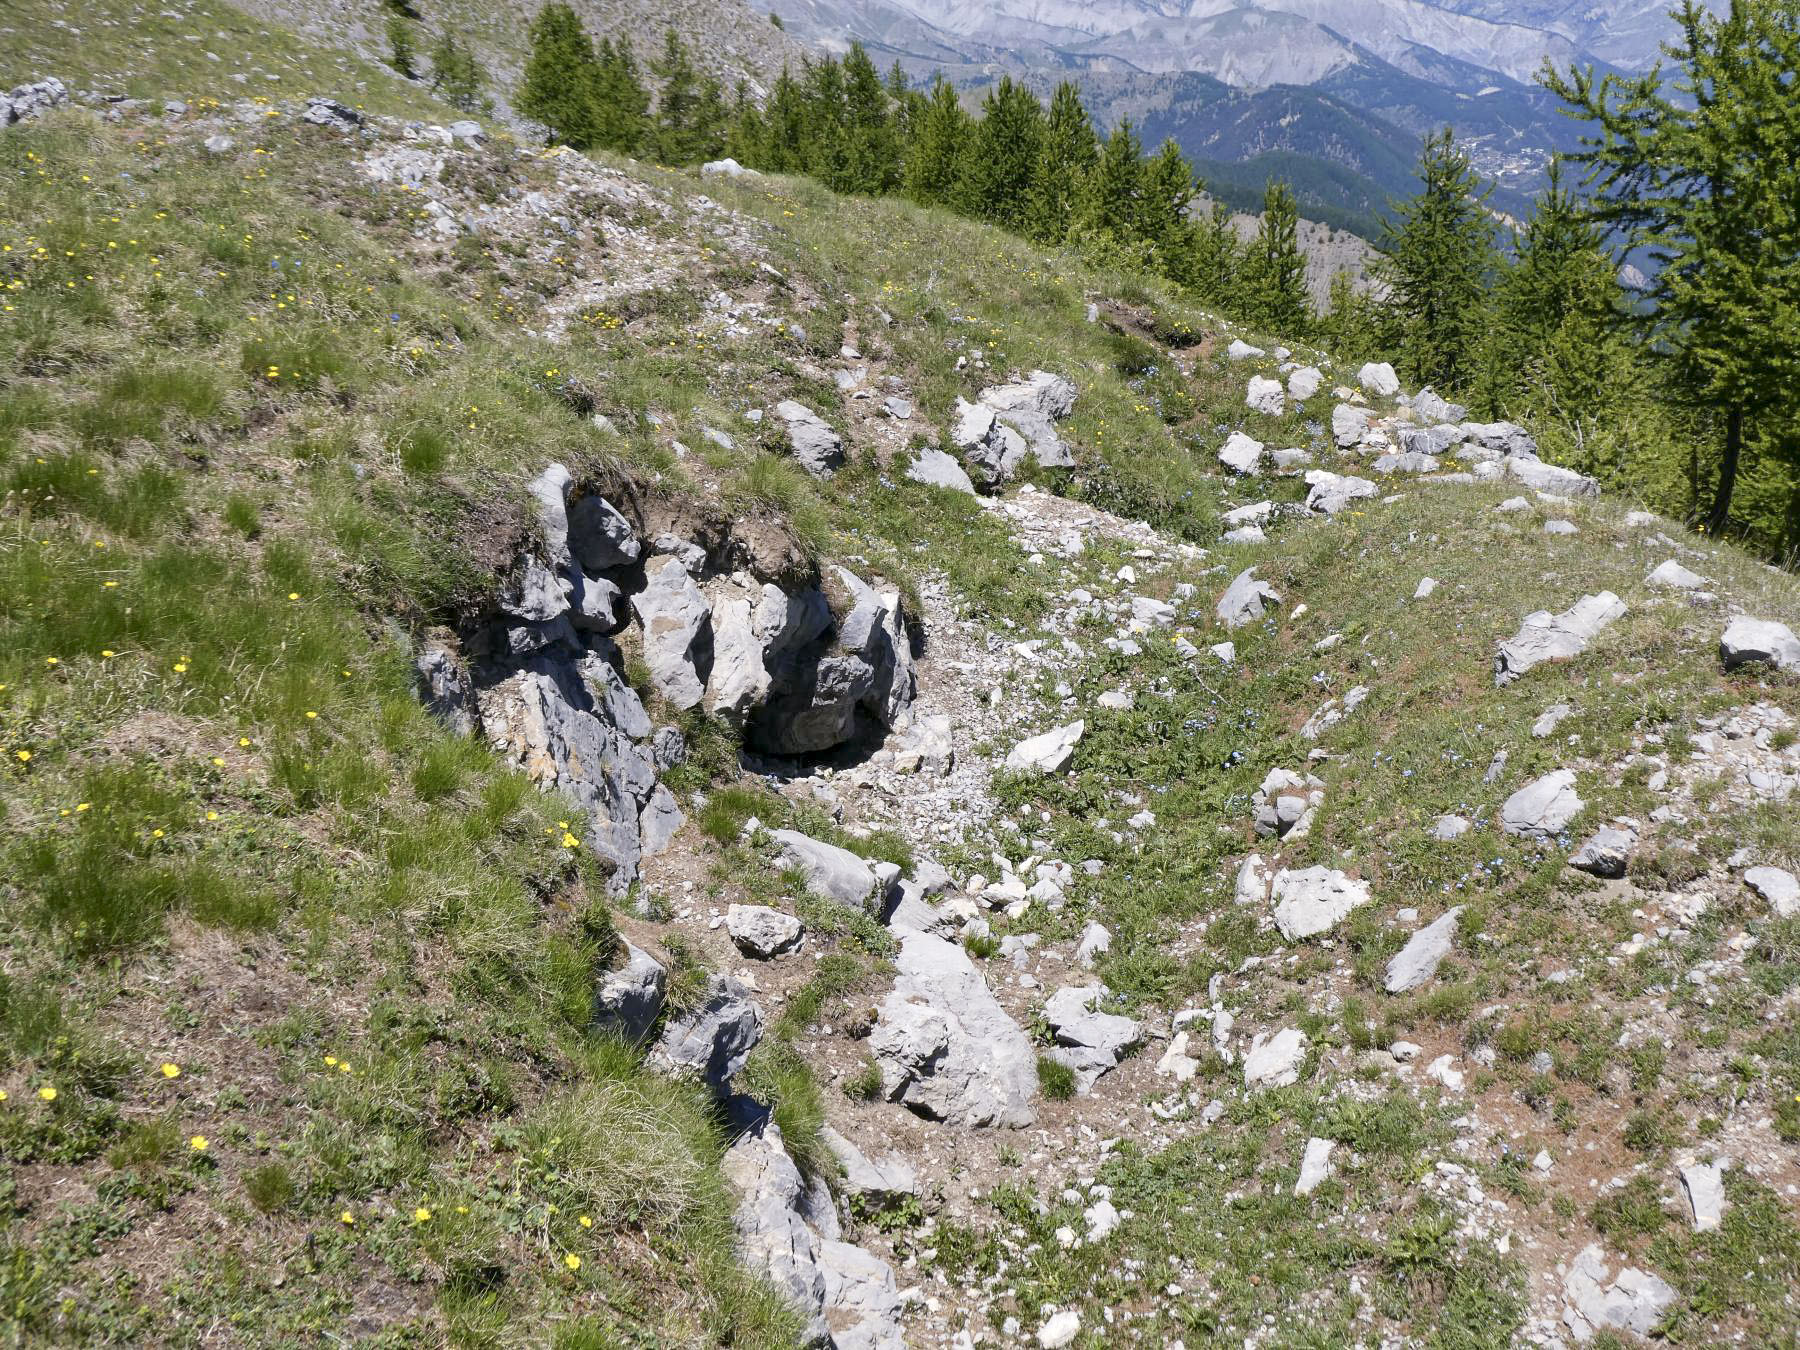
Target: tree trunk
[{"x": 1728, "y": 468}]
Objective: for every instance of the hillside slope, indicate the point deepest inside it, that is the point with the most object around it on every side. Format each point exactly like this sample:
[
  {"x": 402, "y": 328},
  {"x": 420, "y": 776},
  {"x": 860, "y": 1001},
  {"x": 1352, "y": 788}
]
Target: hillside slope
[{"x": 544, "y": 807}]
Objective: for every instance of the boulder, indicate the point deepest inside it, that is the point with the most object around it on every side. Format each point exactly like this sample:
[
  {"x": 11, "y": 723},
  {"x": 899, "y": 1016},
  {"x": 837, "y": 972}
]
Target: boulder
[
  {"x": 1039, "y": 392},
  {"x": 1746, "y": 640},
  {"x": 1246, "y": 599},
  {"x": 946, "y": 1048},
  {"x": 570, "y": 725},
  {"x": 1777, "y": 886},
  {"x": 787, "y": 1233},
  {"x": 1314, "y": 900},
  {"x": 658, "y": 821},
  {"x": 325, "y": 112},
  {"x": 1704, "y": 1183},
  {"x": 1330, "y": 493},
  {"x": 1241, "y": 453},
  {"x": 1418, "y": 960},
  {"x": 1606, "y": 852},
  {"x": 936, "y": 468},
  {"x": 1543, "y": 808},
  {"x": 1049, "y": 752},
  {"x": 759, "y": 931},
  {"x": 1378, "y": 378},
  {"x": 1427, "y": 406},
  {"x": 1552, "y": 478},
  {"x": 1349, "y": 424},
  {"x": 1088, "y": 1042},
  {"x": 1239, "y": 350},
  {"x": 1304, "y": 382},
  {"x": 1544, "y": 636},
  {"x": 714, "y": 1037},
  {"x": 1407, "y": 461},
  {"x": 831, "y": 873},
  {"x": 627, "y": 1001},
  {"x": 823, "y": 676},
  {"x": 1633, "y": 1300},
  {"x": 1275, "y": 1061},
  {"x": 1672, "y": 576},
  {"x": 727, "y": 168},
  {"x": 817, "y": 447},
  {"x": 928, "y": 746},
  {"x": 739, "y": 678},
  {"x": 25, "y": 101},
  {"x": 892, "y": 1178},
  {"x": 445, "y": 690},
  {"x": 677, "y": 636},
  {"x": 1096, "y": 941},
  {"x": 1265, "y": 396}
]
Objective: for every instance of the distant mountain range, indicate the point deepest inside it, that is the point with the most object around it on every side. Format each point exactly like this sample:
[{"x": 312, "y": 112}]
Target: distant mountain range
[{"x": 1333, "y": 95}]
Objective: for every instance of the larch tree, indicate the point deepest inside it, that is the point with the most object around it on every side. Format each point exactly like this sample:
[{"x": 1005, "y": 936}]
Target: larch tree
[
  {"x": 558, "y": 87},
  {"x": 1439, "y": 259},
  {"x": 934, "y": 161},
  {"x": 1008, "y": 139},
  {"x": 1070, "y": 151},
  {"x": 1273, "y": 290},
  {"x": 1703, "y": 172}
]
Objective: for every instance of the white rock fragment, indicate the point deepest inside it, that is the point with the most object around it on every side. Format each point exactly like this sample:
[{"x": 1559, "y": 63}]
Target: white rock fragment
[
  {"x": 1049, "y": 752},
  {"x": 1315, "y": 1166},
  {"x": 1274, "y": 1061}
]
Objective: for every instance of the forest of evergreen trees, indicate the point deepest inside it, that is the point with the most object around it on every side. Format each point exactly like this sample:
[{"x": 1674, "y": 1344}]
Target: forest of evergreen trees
[{"x": 1685, "y": 395}]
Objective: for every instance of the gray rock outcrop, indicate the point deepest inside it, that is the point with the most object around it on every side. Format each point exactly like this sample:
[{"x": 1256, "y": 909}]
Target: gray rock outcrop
[
  {"x": 1746, "y": 640},
  {"x": 945, "y": 1046},
  {"x": 1246, "y": 599},
  {"x": 1544, "y": 636},
  {"x": 1314, "y": 900},
  {"x": 715, "y": 1036},
  {"x": 816, "y": 445},
  {"x": 1543, "y": 808},
  {"x": 830, "y": 872},
  {"x": 627, "y": 1001},
  {"x": 1418, "y": 960}
]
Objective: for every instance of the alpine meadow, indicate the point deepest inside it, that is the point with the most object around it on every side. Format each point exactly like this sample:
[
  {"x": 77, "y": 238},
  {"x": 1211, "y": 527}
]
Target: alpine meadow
[{"x": 849, "y": 673}]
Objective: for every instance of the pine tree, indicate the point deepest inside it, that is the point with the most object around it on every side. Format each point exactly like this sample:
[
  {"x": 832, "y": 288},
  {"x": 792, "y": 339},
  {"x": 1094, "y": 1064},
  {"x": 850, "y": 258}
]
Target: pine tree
[
  {"x": 1008, "y": 139},
  {"x": 454, "y": 74},
  {"x": 1439, "y": 255},
  {"x": 1350, "y": 327},
  {"x": 827, "y": 130},
  {"x": 621, "y": 103},
  {"x": 934, "y": 162},
  {"x": 1069, "y": 153},
  {"x": 1705, "y": 177},
  {"x": 711, "y": 121},
  {"x": 1273, "y": 291},
  {"x": 558, "y": 88},
  {"x": 1213, "y": 267},
  {"x": 909, "y": 103},
  {"x": 401, "y": 53},
  {"x": 871, "y": 152}
]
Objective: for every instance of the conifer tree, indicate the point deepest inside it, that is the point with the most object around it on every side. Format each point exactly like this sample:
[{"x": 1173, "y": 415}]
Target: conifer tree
[
  {"x": 746, "y": 138},
  {"x": 1273, "y": 291},
  {"x": 401, "y": 53},
  {"x": 1069, "y": 153},
  {"x": 934, "y": 163},
  {"x": 1162, "y": 218},
  {"x": 621, "y": 104},
  {"x": 558, "y": 88},
  {"x": 827, "y": 130},
  {"x": 1554, "y": 310},
  {"x": 1351, "y": 325},
  {"x": 871, "y": 152},
  {"x": 1214, "y": 262},
  {"x": 1008, "y": 139},
  {"x": 1437, "y": 264},
  {"x": 454, "y": 74},
  {"x": 786, "y": 148},
  {"x": 908, "y": 104},
  {"x": 1113, "y": 206},
  {"x": 678, "y": 130},
  {"x": 1705, "y": 176}
]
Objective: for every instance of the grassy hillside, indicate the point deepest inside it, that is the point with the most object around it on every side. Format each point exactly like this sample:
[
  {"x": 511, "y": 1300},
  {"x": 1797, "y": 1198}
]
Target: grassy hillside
[{"x": 296, "y": 986}]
